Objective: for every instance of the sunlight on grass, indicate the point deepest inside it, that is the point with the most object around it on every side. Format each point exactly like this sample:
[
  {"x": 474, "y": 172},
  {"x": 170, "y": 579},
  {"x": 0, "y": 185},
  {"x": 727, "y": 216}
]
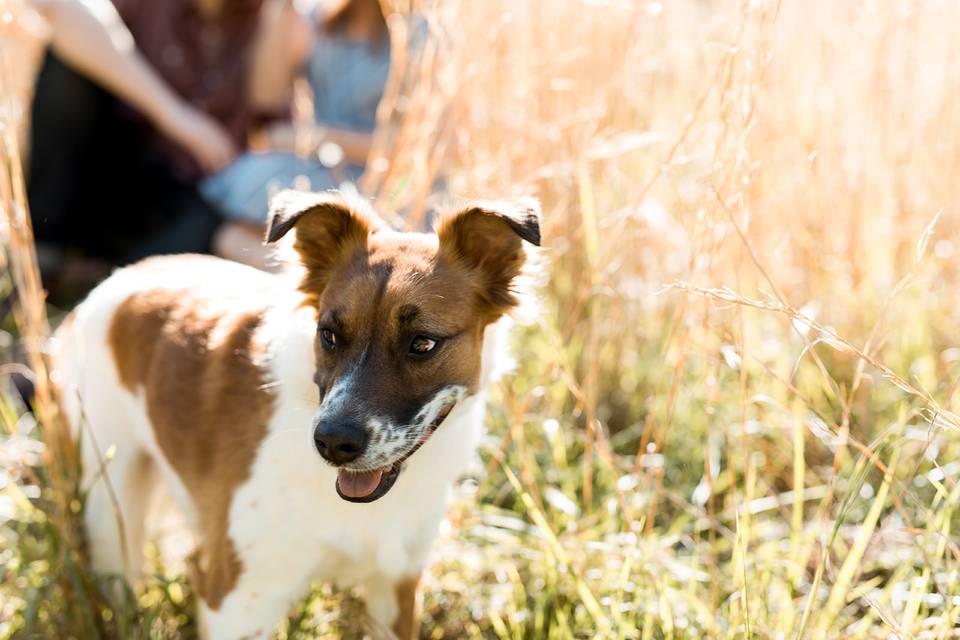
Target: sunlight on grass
[{"x": 736, "y": 412}]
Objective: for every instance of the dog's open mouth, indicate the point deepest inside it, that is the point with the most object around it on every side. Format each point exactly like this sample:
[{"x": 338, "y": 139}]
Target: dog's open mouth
[{"x": 367, "y": 486}]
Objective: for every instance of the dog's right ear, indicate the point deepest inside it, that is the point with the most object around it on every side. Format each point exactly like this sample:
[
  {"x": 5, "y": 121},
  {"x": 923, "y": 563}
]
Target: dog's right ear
[
  {"x": 487, "y": 237},
  {"x": 326, "y": 229}
]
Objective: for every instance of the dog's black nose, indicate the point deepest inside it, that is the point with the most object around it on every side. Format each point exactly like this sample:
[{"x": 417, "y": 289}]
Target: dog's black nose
[{"x": 340, "y": 442}]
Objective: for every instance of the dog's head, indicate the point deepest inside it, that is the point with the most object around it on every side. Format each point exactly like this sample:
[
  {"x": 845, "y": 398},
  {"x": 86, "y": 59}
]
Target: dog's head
[{"x": 400, "y": 322}]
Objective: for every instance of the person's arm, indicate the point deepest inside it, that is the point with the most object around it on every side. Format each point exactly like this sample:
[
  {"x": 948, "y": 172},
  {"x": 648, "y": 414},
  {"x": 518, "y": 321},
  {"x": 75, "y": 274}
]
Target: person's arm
[
  {"x": 89, "y": 36},
  {"x": 306, "y": 139},
  {"x": 280, "y": 50}
]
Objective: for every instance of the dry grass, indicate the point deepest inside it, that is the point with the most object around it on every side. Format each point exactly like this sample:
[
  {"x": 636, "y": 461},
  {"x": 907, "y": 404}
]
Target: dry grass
[{"x": 737, "y": 415}]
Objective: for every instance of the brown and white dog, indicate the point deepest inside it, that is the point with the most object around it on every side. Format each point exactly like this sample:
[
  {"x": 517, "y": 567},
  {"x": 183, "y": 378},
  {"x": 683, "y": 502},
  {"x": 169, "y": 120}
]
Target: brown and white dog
[{"x": 309, "y": 429}]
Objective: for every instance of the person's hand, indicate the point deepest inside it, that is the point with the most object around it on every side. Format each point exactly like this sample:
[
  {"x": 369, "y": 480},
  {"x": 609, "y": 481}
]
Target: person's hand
[
  {"x": 281, "y": 136},
  {"x": 202, "y": 136},
  {"x": 303, "y": 139}
]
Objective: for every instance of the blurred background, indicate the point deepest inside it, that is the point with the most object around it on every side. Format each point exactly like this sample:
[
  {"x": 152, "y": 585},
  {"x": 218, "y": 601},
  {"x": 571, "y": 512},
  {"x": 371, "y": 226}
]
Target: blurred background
[{"x": 735, "y": 413}]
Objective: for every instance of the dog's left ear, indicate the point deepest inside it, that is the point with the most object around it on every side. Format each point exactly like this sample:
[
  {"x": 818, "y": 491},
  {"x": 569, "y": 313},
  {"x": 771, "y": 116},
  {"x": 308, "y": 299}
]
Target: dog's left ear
[
  {"x": 327, "y": 229},
  {"x": 488, "y": 237}
]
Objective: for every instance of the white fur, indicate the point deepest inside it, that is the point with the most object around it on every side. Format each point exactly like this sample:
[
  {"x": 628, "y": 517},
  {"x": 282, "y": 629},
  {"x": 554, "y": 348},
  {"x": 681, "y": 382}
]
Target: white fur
[{"x": 287, "y": 522}]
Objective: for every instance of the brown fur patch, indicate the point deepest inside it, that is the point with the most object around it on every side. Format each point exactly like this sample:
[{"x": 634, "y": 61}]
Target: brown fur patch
[
  {"x": 197, "y": 365},
  {"x": 408, "y": 623}
]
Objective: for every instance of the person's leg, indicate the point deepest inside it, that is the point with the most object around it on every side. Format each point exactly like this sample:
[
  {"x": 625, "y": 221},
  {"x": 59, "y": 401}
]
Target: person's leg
[
  {"x": 66, "y": 108},
  {"x": 185, "y": 224},
  {"x": 86, "y": 162}
]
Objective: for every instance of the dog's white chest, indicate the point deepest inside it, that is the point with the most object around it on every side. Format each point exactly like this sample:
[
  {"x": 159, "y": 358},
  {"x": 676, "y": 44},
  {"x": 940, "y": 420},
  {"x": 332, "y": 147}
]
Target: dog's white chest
[{"x": 290, "y": 506}]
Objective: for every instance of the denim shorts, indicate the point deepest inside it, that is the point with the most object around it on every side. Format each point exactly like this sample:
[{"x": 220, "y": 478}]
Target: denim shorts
[{"x": 242, "y": 191}]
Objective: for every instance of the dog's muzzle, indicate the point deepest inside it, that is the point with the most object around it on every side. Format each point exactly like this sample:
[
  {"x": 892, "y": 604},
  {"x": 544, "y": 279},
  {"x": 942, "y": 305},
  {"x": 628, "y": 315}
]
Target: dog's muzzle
[{"x": 370, "y": 484}]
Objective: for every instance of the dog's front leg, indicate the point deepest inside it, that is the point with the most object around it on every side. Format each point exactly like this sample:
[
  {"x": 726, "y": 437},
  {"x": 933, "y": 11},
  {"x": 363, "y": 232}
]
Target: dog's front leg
[
  {"x": 393, "y": 605},
  {"x": 256, "y": 605},
  {"x": 242, "y": 616}
]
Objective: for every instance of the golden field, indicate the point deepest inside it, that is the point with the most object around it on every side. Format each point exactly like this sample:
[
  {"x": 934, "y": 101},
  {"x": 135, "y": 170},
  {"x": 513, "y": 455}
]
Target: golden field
[{"x": 735, "y": 413}]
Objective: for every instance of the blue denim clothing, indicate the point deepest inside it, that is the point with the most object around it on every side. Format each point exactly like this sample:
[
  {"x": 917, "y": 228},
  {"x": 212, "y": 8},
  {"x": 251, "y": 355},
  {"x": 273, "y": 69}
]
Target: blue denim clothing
[
  {"x": 347, "y": 78},
  {"x": 243, "y": 190}
]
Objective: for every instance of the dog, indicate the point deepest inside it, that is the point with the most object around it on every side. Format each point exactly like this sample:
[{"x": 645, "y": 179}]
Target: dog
[{"x": 309, "y": 428}]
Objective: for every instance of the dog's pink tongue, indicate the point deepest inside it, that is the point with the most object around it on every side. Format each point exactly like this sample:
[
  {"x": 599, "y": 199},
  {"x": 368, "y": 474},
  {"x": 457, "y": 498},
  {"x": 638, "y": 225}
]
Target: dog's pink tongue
[{"x": 358, "y": 485}]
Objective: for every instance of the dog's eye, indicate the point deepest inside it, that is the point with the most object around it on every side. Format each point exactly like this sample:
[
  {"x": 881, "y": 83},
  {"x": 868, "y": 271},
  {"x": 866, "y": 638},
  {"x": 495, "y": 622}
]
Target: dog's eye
[
  {"x": 422, "y": 345},
  {"x": 329, "y": 338}
]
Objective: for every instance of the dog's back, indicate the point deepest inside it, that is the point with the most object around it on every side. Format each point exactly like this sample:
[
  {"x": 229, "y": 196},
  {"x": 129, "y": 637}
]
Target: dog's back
[{"x": 128, "y": 362}]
